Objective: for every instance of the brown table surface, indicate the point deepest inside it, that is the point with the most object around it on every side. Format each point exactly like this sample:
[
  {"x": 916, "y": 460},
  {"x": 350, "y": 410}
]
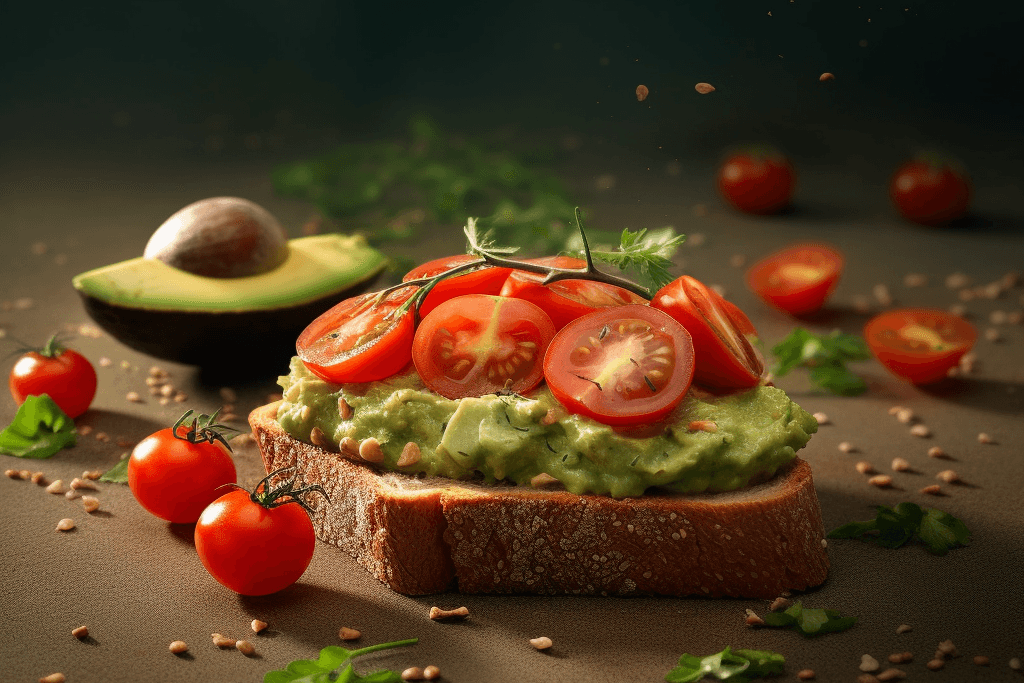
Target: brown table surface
[{"x": 137, "y": 583}]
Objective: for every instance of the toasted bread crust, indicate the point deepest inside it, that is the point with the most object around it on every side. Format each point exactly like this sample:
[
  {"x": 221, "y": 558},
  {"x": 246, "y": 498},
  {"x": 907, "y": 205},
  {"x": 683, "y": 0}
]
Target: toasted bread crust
[{"x": 421, "y": 536}]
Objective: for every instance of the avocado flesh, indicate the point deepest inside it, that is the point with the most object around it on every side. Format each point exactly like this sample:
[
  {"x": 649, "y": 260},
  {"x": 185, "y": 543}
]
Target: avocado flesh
[{"x": 228, "y": 323}]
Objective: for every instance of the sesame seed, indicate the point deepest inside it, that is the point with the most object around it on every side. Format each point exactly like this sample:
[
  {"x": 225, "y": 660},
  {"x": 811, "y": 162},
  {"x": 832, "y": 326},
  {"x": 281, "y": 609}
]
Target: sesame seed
[
  {"x": 881, "y": 481},
  {"x": 937, "y": 452},
  {"x": 805, "y": 674},
  {"x": 900, "y": 465},
  {"x": 868, "y": 663},
  {"x": 948, "y": 476},
  {"x": 541, "y": 643},
  {"x": 935, "y": 664},
  {"x": 993, "y": 335},
  {"x": 932, "y": 490},
  {"x": 821, "y": 418},
  {"x": 985, "y": 438},
  {"x": 981, "y": 660},
  {"x": 904, "y": 628},
  {"x": 846, "y": 447},
  {"x": 921, "y": 430},
  {"x": 864, "y": 467}
]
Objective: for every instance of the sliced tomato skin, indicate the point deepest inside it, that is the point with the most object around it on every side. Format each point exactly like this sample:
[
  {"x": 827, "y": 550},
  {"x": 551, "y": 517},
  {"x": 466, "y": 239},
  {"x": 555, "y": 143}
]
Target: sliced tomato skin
[
  {"x": 518, "y": 323},
  {"x": 723, "y": 356},
  {"x": 758, "y": 182},
  {"x": 918, "y": 365},
  {"x": 797, "y": 296},
  {"x": 391, "y": 352},
  {"x": 486, "y": 280},
  {"x": 581, "y": 396}
]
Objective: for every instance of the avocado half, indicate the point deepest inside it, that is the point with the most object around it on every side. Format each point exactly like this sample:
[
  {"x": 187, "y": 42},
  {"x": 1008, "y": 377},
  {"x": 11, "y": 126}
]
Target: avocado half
[{"x": 227, "y": 322}]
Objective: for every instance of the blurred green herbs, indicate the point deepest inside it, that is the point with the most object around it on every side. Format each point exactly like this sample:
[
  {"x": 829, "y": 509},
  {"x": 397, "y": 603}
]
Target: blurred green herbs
[{"x": 825, "y": 356}]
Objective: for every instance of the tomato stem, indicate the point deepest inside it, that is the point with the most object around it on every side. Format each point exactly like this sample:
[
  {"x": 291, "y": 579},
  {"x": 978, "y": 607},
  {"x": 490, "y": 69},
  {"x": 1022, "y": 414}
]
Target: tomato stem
[
  {"x": 285, "y": 492},
  {"x": 204, "y": 429}
]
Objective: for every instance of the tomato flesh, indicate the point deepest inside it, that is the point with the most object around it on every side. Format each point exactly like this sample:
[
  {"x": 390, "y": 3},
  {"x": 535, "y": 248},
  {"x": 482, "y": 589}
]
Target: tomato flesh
[
  {"x": 930, "y": 193},
  {"x": 797, "y": 280},
  {"x": 757, "y": 183},
  {"x": 251, "y": 549},
  {"x": 484, "y": 280},
  {"x": 360, "y": 339},
  {"x": 479, "y": 344},
  {"x": 919, "y": 344},
  {"x": 724, "y": 358},
  {"x": 67, "y": 377},
  {"x": 623, "y": 366}
]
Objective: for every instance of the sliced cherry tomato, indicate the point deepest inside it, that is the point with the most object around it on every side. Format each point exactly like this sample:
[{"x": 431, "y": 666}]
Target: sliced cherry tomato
[
  {"x": 626, "y": 365},
  {"x": 360, "y": 339},
  {"x": 759, "y": 181},
  {"x": 473, "y": 345},
  {"x": 738, "y": 317},
  {"x": 65, "y": 375},
  {"x": 919, "y": 344},
  {"x": 724, "y": 358},
  {"x": 798, "y": 279},
  {"x": 930, "y": 191},
  {"x": 176, "y": 472},
  {"x": 485, "y": 280},
  {"x": 254, "y": 547}
]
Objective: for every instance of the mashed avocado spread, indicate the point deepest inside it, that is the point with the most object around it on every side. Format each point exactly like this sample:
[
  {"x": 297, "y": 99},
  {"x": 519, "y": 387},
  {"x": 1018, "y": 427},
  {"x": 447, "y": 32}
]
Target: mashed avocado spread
[{"x": 709, "y": 443}]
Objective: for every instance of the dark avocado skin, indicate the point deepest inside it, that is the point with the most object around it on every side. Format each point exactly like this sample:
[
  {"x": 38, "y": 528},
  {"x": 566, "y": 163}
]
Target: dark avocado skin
[{"x": 227, "y": 341}]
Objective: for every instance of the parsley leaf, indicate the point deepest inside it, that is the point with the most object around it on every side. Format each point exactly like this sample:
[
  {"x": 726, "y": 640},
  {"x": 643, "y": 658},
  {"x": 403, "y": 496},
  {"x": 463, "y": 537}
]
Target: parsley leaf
[
  {"x": 118, "y": 474},
  {"x": 808, "y": 621},
  {"x": 40, "y": 429},
  {"x": 738, "y": 666},
  {"x": 894, "y": 527},
  {"x": 826, "y": 356},
  {"x": 335, "y": 665},
  {"x": 648, "y": 252}
]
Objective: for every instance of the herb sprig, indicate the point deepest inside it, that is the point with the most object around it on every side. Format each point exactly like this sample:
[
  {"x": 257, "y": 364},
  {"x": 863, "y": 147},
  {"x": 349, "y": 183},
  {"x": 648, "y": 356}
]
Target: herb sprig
[
  {"x": 825, "y": 356},
  {"x": 894, "y": 527},
  {"x": 809, "y": 621},
  {"x": 737, "y": 666},
  {"x": 335, "y": 665}
]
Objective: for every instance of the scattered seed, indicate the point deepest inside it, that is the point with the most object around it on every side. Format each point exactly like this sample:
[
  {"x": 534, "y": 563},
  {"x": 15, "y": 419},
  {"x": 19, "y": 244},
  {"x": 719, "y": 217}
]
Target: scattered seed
[
  {"x": 904, "y": 628},
  {"x": 541, "y": 643},
  {"x": 937, "y": 452},
  {"x": 410, "y": 455},
  {"x": 641, "y": 92},
  {"x": 882, "y": 481},
  {"x": 133, "y": 397},
  {"x": 864, "y": 467},
  {"x": 370, "y": 450},
  {"x": 892, "y": 675},
  {"x": 948, "y": 476},
  {"x": 861, "y": 303},
  {"x": 900, "y": 465},
  {"x": 180, "y": 397},
  {"x": 985, "y": 438},
  {"x": 90, "y": 503},
  {"x": 805, "y": 674},
  {"x": 245, "y": 647},
  {"x": 867, "y": 678},
  {"x": 905, "y": 415},
  {"x": 821, "y": 418},
  {"x": 882, "y": 294},
  {"x": 318, "y": 438},
  {"x": 344, "y": 409},
  {"x": 13, "y": 474},
  {"x": 900, "y": 657},
  {"x": 53, "y": 678},
  {"x": 349, "y": 445},
  {"x": 228, "y": 395},
  {"x": 921, "y": 431},
  {"x": 997, "y": 317},
  {"x": 753, "y": 619},
  {"x": 80, "y": 632},
  {"x": 167, "y": 391},
  {"x": 222, "y": 640},
  {"x": 958, "y": 310},
  {"x": 1016, "y": 664},
  {"x": 957, "y": 280},
  {"x": 936, "y": 664},
  {"x": 437, "y": 614},
  {"x": 92, "y": 474},
  {"x": 932, "y": 490},
  {"x": 947, "y": 648},
  {"x": 258, "y": 626},
  {"x": 178, "y": 647},
  {"x": 431, "y": 672},
  {"x": 981, "y": 660},
  {"x": 71, "y": 494},
  {"x": 868, "y": 663},
  {"x": 84, "y": 430},
  {"x": 38, "y": 478},
  {"x": 56, "y": 486},
  {"x": 847, "y": 447},
  {"x": 702, "y": 426},
  {"x": 993, "y": 335},
  {"x": 66, "y": 524},
  {"x": 346, "y": 633},
  {"x": 413, "y": 673},
  {"x": 77, "y": 483},
  {"x": 542, "y": 479},
  {"x": 915, "y": 279},
  {"x": 704, "y": 88},
  {"x": 25, "y": 474},
  {"x": 780, "y": 603}
]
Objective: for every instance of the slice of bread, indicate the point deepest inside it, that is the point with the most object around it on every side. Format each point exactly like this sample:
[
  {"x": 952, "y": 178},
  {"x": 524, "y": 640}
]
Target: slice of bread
[{"x": 421, "y": 536}]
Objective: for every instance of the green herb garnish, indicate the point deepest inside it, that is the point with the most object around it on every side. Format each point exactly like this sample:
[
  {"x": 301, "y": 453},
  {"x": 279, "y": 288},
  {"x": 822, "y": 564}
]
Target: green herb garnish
[
  {"x": 40, "y": 429},
  {"x": 648, "y": 252},
  {"x": 732, "y": 665},
  {"x": 810, "y": 622},
  {"x": 826, "y": 357},
  {"x": 335, "y": 665},
  {"x": 118, "y": 474},
  {"x": 893, "y": 527}
]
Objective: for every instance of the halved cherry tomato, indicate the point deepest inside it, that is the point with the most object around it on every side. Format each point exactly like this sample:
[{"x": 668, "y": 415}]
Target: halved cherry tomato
[
  {"x": 930, "y": 191},
  {"x": 724, "y": 358},
  {"x": 760, "y": 181},
  {"x": 475, "y": 344},
  {"x": 919, "y": 344},
  {"x": 486, "y": 280},
  {"x": 626, "y": 365},
  {"x": 360, "y": 339},
  {"x": 738, "y": 317},
  {"x": 798, "y": 279}
]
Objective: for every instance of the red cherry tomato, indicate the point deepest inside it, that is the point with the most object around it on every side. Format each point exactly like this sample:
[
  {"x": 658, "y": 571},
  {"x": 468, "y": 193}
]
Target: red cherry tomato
[
  {"x": 798, "y": 279},
  {"x": 919, "y": 344},
  {"x": 360, "y": 339},
  {"x": 930, "y": 192},
  {"x": 472, "y": 345},
  {"x": 65, "y": 375},
  {"x": 758, "y": 182},
  {"x": 724, "y": 358},
  {"x": 252, "y": 549},
  {"x": 486, "y": 280},
  {"x": 626, "y": 365},
  {"x": 174, "y": 478}
]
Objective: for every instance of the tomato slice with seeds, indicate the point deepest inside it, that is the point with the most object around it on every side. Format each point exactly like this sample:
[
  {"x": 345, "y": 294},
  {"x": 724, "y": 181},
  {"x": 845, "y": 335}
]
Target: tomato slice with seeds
[
  {"x": 724, "y": 358},
  {"x": 360, "y": 339},
  {"x": 485, "y": 280},
  {"x": 621, "y": 366},
  {"x": 479, "y": 344},
  {"x": 798, "y": 279},
  {"x": 919, "y": 344}
]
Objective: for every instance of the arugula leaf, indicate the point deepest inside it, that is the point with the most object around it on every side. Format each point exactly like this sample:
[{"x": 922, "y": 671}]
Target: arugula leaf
[
  {"x": 808, "y": 621},
  {"x": 118, "y": 474},
  {"x": 826, "y": 356},
  {"x": 738, "y": 666},
  {"x": 40, "y": 429},
  {"x": 939, "y": 531},
  {"x": 332, "y": 658}
]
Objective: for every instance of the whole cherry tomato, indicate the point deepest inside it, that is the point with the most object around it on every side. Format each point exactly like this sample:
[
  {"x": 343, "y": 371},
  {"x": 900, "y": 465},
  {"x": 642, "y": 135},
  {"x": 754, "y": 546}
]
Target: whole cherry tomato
[
  {"x": 759, "y": 182},
  {"x": 930, "y": 191},
  {"x": 65, "y": 375}
]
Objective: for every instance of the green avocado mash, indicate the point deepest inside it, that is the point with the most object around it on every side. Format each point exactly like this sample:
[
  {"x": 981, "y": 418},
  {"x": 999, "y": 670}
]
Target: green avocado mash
[{"x": 514, "y": 438}]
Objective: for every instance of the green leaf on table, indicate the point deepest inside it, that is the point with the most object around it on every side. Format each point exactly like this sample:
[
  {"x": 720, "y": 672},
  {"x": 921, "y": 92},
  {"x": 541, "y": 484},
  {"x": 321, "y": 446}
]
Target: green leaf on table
[
  {"x": 825, "y": 356},
  {"x": 118, "y": 474},
  {"x": 894, "y": 527},
  {"x": 40, "y": 429},
  {"x": 329, "y": 667},
  {"x": 738, "y": 666},
  {"x": 941, "y": 531},
  {"x": 808, "y": 621}
]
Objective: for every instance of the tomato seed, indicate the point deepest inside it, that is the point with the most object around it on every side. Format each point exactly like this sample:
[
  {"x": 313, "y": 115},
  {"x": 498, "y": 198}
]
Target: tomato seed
[
  {"x": 346, "y": 633},
  {"x": 431, "y": 672},
  {"x": 178, "y": 647},
  {"x": 56, "y": 487},
  {"x": 80, "y": 632},
  {"x": 258, "y": 626},
  {"x": 90, "y": 503},
  {"x": 864, "y": 467},
  {"x": 541, "y": 643},
  {"x": 846, "y": 447},
  {"x": 245, "y": 647},
  {"x": 413, "y": 673},
  {"x": 881, "y": 481},
  {"x": 948, "y": 476},
  {"x": 66, "y": 524},
  {"x": 900, "y": 465},
  {"x": 38, "y": 478},
  {"x": 704, "y": 88}
]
